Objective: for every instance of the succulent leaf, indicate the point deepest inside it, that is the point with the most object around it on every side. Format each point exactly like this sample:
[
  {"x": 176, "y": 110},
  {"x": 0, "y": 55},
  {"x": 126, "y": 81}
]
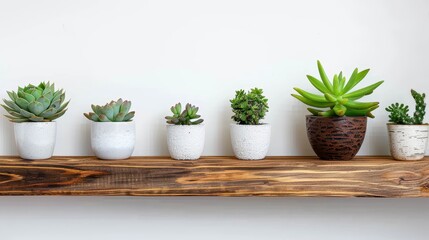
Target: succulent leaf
[{"x": 250, "y": 107}]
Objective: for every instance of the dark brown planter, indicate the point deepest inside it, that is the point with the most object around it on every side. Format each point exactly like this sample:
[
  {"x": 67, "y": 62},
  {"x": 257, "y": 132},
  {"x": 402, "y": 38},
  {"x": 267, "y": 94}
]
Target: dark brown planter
[{"x": 336, "y": 138}]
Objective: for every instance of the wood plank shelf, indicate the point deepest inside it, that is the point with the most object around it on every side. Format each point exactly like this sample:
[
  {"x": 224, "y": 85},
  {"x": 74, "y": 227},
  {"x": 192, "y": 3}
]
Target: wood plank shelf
[{"x": 215, "y": 176}]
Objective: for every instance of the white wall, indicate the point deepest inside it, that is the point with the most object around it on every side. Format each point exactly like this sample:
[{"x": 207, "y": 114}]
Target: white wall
[{"x": 157, "y": 53}]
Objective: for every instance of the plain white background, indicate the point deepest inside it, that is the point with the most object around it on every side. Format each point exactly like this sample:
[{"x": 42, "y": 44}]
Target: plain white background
[{"x": 156, "y": 53}]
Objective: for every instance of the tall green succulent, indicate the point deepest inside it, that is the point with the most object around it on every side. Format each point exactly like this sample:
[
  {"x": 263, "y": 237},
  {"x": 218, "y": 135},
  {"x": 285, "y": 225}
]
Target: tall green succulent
[
  {"x": 118, "y": 111},
  {"x": 31, "y": 103},
  {"x": 249, "y": 107},
  {"x": 188, "y": 116},
  {"x": 399, "y": 112},
  {"x": 337, "y": 95}
]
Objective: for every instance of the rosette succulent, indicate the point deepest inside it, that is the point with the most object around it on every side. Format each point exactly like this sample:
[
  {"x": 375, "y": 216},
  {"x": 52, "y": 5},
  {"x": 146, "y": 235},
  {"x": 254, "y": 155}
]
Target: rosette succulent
[
  {"x": 32, "y": 103},
  {"x": 338, "y": 96},
  {"x": 118, "y": 111},
  {"x": 399, "y": 112},
  {"x": 188, "y": 116}
]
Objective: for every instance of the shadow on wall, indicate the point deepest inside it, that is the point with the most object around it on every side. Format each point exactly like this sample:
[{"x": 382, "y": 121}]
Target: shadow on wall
[
  {"x": 7, "y": 135},
  {"x": 298, "y": 133},
  {"x": 224, "y": 131}
]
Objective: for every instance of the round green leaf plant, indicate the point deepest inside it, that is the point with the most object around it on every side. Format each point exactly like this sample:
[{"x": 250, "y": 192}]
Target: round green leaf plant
[{"x": 249, "y": 107}]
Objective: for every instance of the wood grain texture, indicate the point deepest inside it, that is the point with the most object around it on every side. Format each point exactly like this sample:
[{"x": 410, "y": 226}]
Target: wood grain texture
[{"x": 215, "y": 176}]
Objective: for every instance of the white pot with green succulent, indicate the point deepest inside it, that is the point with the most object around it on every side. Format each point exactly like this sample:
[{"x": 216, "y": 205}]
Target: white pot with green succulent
[
  {"x": 185, "y": 133},
  {"x": 32, "y": 110},
  {"x": 249, "y": 137},
  {"x": 408, "y": 135},
  {"x": 113, "y": 135}
]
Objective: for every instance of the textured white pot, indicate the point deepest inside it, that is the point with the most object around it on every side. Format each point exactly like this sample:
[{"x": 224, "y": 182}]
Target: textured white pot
[
  {"x": 35, "y": 140},
  {"x": 186, "y": 142},
  {"x": 113, "y": 140},
  {"x": 250, "y": 142},
  {"x": 408, "y": 142}
]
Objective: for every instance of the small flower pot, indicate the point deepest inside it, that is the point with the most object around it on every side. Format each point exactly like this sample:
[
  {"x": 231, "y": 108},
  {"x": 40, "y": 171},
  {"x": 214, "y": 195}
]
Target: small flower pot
[
  {"x": 336, "y": 138},
  {"x": 250, "y": 142},
  {"x": 408, "y": 142},
  {"x": 35, "y": 140},
  {"x": 186, "y": 142},
  {"x": 113, "y": 140}
]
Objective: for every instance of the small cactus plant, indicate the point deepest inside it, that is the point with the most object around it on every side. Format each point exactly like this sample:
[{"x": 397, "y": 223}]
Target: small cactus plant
[
  {"x": 188, "y": 116},
  {"x": 399, "y": 112},
  {"x": 118, "y": 111},
  {"x": 336, "y": 95},
  {"x": 249, "y": 107},
  {"x": 41, "y": 103}
]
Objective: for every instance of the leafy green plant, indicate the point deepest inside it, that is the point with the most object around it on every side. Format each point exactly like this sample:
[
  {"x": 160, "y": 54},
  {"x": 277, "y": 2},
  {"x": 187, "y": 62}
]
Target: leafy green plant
[
  {"x": 118, "y": 111},
  {"x": 399, "y": 112},
  {"x": 249, "y": 107},
  {"x": 188, "y": 116},
  {"x": 337, "y": 95},
  {"x": 31, "y": 103}
]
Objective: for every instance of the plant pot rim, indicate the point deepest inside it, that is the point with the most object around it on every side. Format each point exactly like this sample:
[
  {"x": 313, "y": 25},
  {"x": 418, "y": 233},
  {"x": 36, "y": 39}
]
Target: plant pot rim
[
  {"x": 253, "y": 125},
  {"x": 337, "y": 116},
  {"x": 195, "y": 125},
  {"x": 128, "y": 122},
  {"x": 407, "y": 125},
  {"x": 34, "y": 122}
]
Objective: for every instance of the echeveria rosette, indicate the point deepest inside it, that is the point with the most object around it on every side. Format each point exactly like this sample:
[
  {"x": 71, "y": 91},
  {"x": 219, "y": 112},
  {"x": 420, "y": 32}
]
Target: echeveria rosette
[
  {"x": 399, "y": 112},
  {"x": 115, "y": 111},
  {"x": 188, "y": 116},
  {"x": 32, "y": 103},
  {"x": 249, "y": 107},
  {"x": 337, "y": 95}
]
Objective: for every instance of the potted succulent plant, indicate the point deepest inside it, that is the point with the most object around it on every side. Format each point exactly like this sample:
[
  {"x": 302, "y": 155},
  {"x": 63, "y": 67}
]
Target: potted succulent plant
[
  {"x": 408, "y": 135},
  {"x": 32, "y": 110},
  {"x": 338, "y": 132},
  {"x": 185, "y": 133},
  {"x": 113, "y": 134},
  {"x": 249, "y": 137}
]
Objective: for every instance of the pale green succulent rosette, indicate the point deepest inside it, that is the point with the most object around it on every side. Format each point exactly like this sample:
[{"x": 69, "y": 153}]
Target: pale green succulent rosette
[
  {"x": 40, "y": 103},
  {"x": 115, "y": 111}
]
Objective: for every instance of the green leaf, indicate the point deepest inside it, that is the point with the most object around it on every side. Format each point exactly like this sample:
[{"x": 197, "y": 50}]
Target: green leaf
[
  {"x": 22, "y": 103},
  {"x": 36, "y": 107},
  {"x": 362, "y": 92},
  {"x": 325, "y": 78}
]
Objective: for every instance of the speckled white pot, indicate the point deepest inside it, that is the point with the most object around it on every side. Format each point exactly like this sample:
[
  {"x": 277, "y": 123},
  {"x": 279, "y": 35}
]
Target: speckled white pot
[
  {"x": 35, "y": 140},
  {"x": 113, "y": 140},
  {"x": 250, "y": 142},
  {"x": 408, "y": 142},
  {"x": 186, "y": 142}
]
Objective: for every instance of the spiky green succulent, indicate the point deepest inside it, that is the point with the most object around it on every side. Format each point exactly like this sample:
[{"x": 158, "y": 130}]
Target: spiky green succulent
[
  {"x": 249, "y": 107},
  {"x": 188, "y": 116},
  {"x": 118, "y": 111},
  {"x": 31, "y": 103},
  {"x": 337, "y": 95},
  {"x": 399, "y": 112}
]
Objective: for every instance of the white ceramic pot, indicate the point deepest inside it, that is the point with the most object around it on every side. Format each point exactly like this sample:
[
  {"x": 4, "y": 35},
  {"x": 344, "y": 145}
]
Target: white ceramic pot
[
  {"x": 186, "y": 142},
  {"x": 35, "y": 140},
  {"x": 113, "y": 140},
  {"x": 250, "y": 142},
  {"x": 408, "y": 142}
]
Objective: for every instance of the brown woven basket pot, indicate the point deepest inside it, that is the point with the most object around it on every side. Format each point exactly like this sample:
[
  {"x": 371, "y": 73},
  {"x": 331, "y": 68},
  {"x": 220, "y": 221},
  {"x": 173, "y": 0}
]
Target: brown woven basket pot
[{"x": 336, "y": 138}]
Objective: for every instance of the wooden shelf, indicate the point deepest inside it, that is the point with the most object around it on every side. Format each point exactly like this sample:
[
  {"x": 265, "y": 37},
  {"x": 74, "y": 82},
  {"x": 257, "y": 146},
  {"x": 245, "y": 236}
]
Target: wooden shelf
[{"x": 215, "y": 176}]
